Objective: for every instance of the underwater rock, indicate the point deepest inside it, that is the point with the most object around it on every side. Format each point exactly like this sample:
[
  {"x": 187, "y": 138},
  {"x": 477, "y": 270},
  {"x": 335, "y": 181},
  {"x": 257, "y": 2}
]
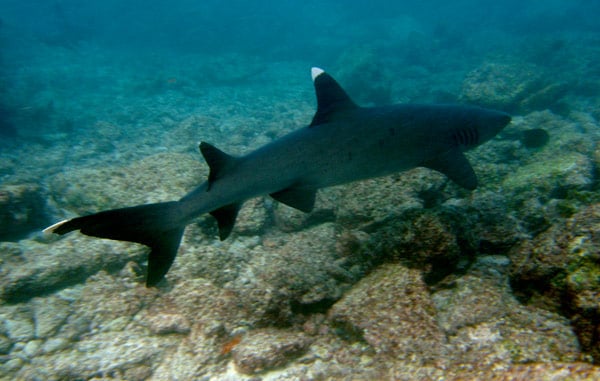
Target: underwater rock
[
  {"x": 373, "y": 201},
  {"x": 5, "y": 344},
  {"x": 99, "y": 334},
  {"x": 288, "y": 219},
  {"x": 485, "y": 324},
  {"x": 192, "y": 303},
  {"x": 110, "y": 303},
  {"x": 17, "y": 323},
  {"x": 55, "y": 344},
  {"x": 113, "y": 353},
  {"x": 166, "y": 323},
  {"x": 486, "y": 223},
  {"x": 554, "y": 176},
  {"x": 203, "y": 255},
  {"x": 559, "y": 269},
  {"x": 22, "y": 210},
  {"x": 431, "y": 240},
  {"x": 291, "y": 273},
  {"x": 500, "y": 85},
  {"x": 596, "y": 158},
  {"x": 392, "y": 311},
  {"x": 363, "y": 77},
  {"x": 49, "y": 315},
  {"x": 152, "y": 179},
  {"x": 550, "y": 182},
  {"x": 544, "y": 371},
  {"x": 266, "y": 349},
  {"x": 40, "y": 269},
  {"x": 471, "y": 301},
  {"x": 252, "y": 218},
  {"x": 544, "y": 98}
]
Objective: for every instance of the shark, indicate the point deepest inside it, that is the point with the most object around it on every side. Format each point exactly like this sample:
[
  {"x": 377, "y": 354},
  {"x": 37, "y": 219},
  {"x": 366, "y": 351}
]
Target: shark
[{"x": 344, "y": 142}]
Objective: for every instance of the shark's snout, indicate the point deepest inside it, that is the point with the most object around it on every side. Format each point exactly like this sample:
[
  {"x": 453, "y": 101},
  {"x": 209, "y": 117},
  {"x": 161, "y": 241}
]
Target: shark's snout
[
  {"x": 494, "y": 122},
  {"x": 503, "y": 119}
]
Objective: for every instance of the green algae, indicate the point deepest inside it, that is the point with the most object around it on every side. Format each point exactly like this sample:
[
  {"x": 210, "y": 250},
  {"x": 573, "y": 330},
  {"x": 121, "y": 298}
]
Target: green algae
[{"x": 548, "y": 173}]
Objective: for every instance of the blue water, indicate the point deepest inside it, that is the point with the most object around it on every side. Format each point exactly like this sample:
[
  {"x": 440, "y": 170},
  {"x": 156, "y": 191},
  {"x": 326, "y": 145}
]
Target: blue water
[{"x": 64, "y": 64}]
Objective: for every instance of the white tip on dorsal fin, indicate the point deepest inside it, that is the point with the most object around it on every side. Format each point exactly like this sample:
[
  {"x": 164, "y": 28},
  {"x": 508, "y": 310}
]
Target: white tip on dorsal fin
[
  {"x": 315, "y": 72},
  {"x": 51, "y": 229}
]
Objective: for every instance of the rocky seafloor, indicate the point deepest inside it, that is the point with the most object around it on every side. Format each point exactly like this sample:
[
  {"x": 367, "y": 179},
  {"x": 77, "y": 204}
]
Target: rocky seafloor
[{"x": 406, "y": 277}]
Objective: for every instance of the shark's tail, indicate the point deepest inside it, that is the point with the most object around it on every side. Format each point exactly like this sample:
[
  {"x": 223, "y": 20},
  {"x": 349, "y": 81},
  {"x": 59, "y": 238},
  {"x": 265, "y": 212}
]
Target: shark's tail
[{"x": 158, "y": 226}]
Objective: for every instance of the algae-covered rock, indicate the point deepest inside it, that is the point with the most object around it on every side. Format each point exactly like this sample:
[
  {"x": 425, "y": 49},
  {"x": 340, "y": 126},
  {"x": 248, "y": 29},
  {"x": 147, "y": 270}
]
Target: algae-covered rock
[
  {"x": 161, "y": 177},
  {"x": 500, "y": 85},
  {"x": 277, "y": 275},
  {"x": 560, "y": 269},
  {"x": 552, "y": 181},
  {"x": 49, "y": 315},
  {"x": 375, "y": 200},
  {"x": 553, "y": 176},
  {"x": 123, "y": 356},
  {"x": 17, "y": 323},
  {"x": 264, "y": 350},
  {"x": 251, "y": 220},
  {"x": 542, "y": 371},
  {"x": 487, "y": 325},
  {"x": 471, "y": 301},
  {"x": 363, "y": 77},
  {"x": 166, "y": 323},
  {"x": 38, "y": 268},
  {"x": 392, "y": 311},
  {"x": 192, "y": 302}
]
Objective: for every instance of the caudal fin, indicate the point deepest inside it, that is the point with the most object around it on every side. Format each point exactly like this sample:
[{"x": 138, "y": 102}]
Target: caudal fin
[{"x": 154, "y": 225}]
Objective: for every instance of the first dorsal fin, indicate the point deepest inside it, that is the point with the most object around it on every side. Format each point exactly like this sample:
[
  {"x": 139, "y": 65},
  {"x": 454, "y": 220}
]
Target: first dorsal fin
[
  {"x": 331, "y": 98},
  {"x": 218, "y": 162}
]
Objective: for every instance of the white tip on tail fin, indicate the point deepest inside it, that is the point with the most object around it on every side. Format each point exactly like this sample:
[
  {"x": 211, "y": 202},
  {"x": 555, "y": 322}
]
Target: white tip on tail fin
[
  {"x": 51, "y": 229},
  {"x": 315, "y": 72}
]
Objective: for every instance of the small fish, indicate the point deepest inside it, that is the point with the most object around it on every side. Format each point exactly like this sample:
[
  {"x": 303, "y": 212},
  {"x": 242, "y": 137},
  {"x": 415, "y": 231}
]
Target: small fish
[{"x": 535, "y": 138}]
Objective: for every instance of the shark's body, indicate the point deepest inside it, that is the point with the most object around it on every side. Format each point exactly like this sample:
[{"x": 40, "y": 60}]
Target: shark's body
[{"x": 344, "y": 143}]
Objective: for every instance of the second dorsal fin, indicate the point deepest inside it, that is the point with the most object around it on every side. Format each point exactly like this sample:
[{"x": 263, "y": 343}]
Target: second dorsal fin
[
  {"x": 331, "y": 98},
  {"x": 218, "y": 162}
]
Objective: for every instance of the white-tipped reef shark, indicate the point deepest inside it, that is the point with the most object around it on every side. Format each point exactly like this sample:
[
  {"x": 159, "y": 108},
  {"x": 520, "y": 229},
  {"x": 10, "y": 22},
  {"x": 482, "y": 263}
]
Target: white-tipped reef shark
[{"x": 343, "y": 143}]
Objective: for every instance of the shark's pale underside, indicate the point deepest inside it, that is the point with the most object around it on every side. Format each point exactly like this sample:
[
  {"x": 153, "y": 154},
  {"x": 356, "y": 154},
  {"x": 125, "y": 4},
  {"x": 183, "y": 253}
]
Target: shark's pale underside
[{"x": 343, "y": 143}]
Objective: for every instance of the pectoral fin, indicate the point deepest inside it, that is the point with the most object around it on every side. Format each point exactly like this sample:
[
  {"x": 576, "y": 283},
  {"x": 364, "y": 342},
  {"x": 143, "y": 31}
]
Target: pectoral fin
[
  {"x": 299, "y": 198},
  {"x": 455, "y": 165}
]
